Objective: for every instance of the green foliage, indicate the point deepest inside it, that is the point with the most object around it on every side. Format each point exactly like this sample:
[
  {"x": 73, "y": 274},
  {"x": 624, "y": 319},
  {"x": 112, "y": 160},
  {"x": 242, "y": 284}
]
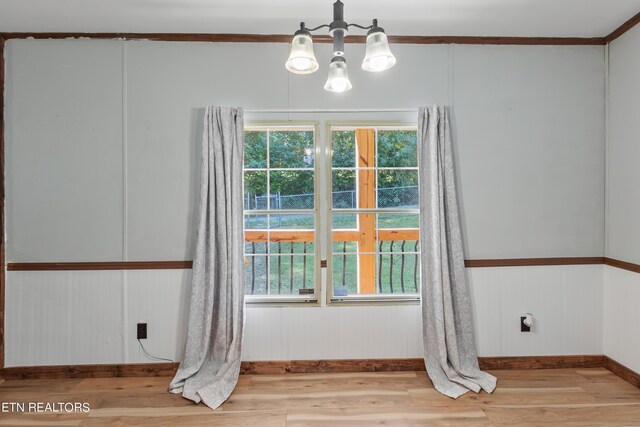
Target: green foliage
[
  {"x": 397, "y": 148},
  {"x": 255, "y": 183},
  {"x": 292, "y": 182},
  {"x": 344, "y": 149},
  {"x": 255, "y": 150},
  {"x": 287, "y": 149}
]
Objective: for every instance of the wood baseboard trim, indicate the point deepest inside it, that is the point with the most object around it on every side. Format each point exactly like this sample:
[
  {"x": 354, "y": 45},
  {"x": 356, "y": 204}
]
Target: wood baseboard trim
[
  {"x": 89, "y": 371},
  {"x": 330, "y": 366},
  {"x": 629, "y": 375},
  {"x": 542, "y": 362},
  {"x": 274, "y": 367}
]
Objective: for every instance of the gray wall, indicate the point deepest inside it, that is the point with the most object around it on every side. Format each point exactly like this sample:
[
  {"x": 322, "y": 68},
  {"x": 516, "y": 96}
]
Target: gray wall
[
  {"x": 623, "y": 149},
  {"x": 102, "y": 135},
  {"x": 64, "y": 151},
  {"x": 622, "y": 288},
  {"x": 101, "y": 165}
]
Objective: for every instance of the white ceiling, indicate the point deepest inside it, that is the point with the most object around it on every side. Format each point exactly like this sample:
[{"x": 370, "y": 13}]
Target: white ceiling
[{"x": 548, "y": 18}]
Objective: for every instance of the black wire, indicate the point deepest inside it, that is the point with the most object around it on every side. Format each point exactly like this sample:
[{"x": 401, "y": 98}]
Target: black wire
[{"x": 153, "y": 357}]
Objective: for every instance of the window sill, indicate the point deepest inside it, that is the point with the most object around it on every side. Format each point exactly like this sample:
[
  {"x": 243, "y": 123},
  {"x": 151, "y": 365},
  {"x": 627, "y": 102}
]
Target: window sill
[
  {"x": 281, "y": 301},
  {"x": 408, "y": 299}
]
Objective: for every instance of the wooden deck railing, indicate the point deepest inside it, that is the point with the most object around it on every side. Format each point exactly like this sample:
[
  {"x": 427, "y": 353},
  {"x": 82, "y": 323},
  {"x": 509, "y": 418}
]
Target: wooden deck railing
[{"x": 393, "y": 238}]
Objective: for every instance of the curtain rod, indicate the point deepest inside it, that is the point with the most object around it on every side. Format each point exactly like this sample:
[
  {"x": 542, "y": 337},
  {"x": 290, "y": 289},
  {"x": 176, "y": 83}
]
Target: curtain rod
[{"x": 330, "y": 110}]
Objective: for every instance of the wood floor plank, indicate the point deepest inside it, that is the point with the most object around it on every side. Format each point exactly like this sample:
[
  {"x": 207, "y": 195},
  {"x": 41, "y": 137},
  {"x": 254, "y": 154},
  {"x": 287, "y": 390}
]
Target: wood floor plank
[
  {"x": 533, "y": 396},
  {"x": 302, "y": 398},
  {"x": 565, "y": 415},
  {"x": 147, "y": 399},
  {"x": 234, "y": 419},
  {"x": 387, "y": 416},
  {"x": 608, "y": 393},
  {"x": 353, "y": 379}
]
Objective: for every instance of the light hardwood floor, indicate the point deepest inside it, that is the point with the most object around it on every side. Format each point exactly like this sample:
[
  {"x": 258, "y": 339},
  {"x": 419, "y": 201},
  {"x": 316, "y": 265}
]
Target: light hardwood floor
[{"x": 551, "y": 397}]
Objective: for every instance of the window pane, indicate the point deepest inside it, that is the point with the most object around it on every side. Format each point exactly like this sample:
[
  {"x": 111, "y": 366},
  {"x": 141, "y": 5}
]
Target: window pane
[
  {"x": 288, "y": 274},
  {"x": 345, "y": 275},
  {"x": 289, "y": 232},
  {"x": 344, "y": 189},
  {"x": 285, "y": 246},
  {"x": 255, "y": 149},
  {"x": 255, "y": 190},
  {"x": 256, "y": 222},
  {"x": 278, "y": 221},
  {"x": 398, "y": 263},
  {"x": 344, "y": 246},
  {"x": 374, "y": 252},
  {"x": 256, "y": 275},
  {"x": 291, "y": 149},
  {"x": 282, "y": 247},
  {"x": 292, "y": 190},
  {"x": 344, "y": 221},
  {"x": 398, "y": 220},
  {"x": 252, "y": 247},
  {"x": 279, "y": 248},
  {"x": 344, "y": 149},
  {"x": 397, "y": 148},
  {"x": 399, "y": 273},
  {"x": 398, "y": 189}
]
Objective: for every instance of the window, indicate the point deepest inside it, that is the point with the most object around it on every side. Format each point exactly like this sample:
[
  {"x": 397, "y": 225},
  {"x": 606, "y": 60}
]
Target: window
[
  {"x": 371, "y": 206},
  {"x": 280, "y": 213},
  {"x": 375, "y": 213}
]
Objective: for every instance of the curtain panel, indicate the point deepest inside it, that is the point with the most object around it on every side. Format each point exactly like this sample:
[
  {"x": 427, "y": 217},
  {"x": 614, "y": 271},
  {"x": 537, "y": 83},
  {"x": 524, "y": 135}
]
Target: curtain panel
[
  {"x": 448, "y": 334},
  {"x": 211, "y": 363}
]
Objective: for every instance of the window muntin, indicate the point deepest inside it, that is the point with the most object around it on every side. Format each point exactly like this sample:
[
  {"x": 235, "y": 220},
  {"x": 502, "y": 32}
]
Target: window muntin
[
  {"x": 375, "y": 213},
  {"x": 280, "y": 213}
]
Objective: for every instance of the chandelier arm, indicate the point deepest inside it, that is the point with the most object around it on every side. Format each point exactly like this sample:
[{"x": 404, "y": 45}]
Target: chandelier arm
[
  {"x": 360, "y": 26},
  {"x": 318, "y": 27}
]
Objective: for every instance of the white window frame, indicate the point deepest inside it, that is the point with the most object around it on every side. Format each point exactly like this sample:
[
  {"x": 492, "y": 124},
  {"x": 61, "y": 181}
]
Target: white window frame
[
  {"x": 361, "y": 299},
  {"x": 323, "y": 210},
  {"x": 287, "y": 300}
]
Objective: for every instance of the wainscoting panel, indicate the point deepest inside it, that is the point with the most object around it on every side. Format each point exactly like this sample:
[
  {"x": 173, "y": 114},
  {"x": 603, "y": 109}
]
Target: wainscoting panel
[
  {"x": 565, "y": 302},
  {"x": 95, "y": 315},
  {"x": 63, "y": 317},
  {"x": 621, "y": 315},
  {"x": 311, "y": 333},
  {"x": 89, "y": 317},
  {"x": 159, "y": 298},
  {"x": 36, "y": 318}
]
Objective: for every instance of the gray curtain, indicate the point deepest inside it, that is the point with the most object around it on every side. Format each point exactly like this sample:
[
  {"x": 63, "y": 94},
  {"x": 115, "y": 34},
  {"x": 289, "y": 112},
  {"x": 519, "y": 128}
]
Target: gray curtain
[
  {"x": 211, "y": 363},
  {"x": 448, "y": 334}
]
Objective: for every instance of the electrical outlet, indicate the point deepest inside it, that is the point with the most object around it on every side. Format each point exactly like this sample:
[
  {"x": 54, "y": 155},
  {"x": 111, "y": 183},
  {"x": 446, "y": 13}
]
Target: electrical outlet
[
  {"x": 523, "y": 327},
  {"x": 142, "y": 331}
]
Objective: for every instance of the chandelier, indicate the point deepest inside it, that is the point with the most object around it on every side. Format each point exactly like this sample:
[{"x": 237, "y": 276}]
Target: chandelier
[{"x": 302, "y": 60}]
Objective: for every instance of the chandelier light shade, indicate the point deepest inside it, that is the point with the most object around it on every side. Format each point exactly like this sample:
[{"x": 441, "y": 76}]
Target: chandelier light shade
[
  {"x": 338, "y": 80},
  {"x": 302, "y": 60},
  {"x": 378, "y": 56}
]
